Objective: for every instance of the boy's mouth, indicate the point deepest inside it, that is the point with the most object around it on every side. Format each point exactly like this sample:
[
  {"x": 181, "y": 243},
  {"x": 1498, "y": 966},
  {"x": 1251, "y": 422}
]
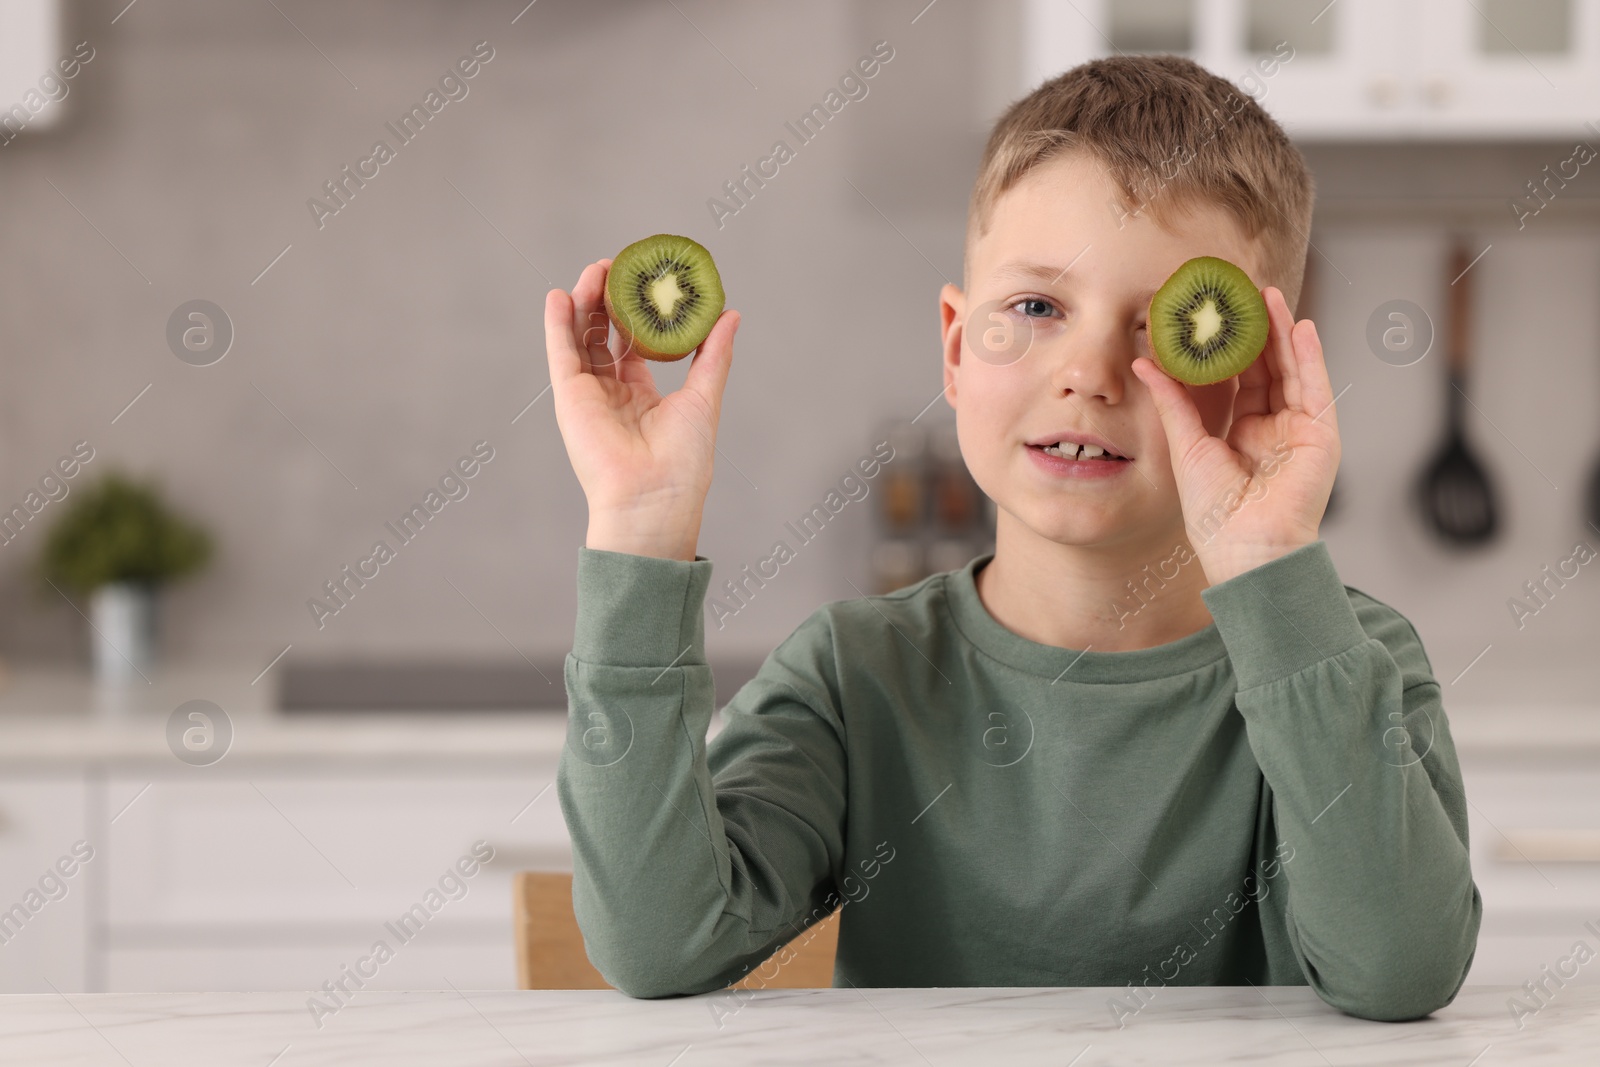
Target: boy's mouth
[{"x": 1079, "y": 450}]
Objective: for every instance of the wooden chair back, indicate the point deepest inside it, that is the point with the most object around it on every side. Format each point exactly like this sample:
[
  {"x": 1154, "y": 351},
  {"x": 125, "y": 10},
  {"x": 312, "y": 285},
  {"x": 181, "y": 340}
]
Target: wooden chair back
[{"x": 550, "y": 952}]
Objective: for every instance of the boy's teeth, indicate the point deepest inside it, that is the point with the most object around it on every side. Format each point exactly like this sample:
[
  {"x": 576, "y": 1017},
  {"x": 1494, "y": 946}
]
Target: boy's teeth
[{"x": 1069, "y": 450}]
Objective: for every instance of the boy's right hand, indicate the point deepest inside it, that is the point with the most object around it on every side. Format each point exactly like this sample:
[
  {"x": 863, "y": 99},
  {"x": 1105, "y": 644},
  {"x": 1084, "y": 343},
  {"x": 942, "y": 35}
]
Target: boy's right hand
[{"x": 644, "y": 460}]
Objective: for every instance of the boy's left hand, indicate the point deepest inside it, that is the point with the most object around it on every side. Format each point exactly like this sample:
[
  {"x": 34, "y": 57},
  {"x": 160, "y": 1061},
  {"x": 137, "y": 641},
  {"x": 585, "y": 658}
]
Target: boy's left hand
[{"x": 1259, "y": 493}]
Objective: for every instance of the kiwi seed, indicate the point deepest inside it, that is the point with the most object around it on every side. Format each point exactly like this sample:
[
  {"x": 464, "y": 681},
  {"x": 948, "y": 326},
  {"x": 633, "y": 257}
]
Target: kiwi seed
[
  {"x": 664, "y": 295},
  {"x": 1207, "y": 322}
]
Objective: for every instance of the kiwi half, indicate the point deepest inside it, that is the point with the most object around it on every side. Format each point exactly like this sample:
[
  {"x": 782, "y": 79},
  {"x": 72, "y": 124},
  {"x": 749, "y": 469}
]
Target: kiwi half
[
  {"x": 664, "y": 295},
  {"x": 1207, "y": 322}
]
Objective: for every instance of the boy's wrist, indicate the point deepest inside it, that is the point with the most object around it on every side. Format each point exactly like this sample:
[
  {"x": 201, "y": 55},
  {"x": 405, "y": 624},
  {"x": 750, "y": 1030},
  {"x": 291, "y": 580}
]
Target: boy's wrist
[
  {"x": 1221, "y": 568},
  {"x": 642, "y": 535}
]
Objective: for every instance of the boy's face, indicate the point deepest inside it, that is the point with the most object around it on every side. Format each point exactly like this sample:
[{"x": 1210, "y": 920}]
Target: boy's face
[{"x": 1044, "y": 354}]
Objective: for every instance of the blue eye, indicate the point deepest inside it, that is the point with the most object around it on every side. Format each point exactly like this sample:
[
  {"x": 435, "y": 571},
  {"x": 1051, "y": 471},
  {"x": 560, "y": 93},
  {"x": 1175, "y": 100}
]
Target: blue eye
[{"x": 1034, "y": 308}]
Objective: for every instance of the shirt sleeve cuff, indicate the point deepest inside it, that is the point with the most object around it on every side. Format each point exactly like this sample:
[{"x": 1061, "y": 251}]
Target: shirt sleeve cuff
[
  {"x": 640, "y": 611},
  {"x": 1284, "y": 616}
]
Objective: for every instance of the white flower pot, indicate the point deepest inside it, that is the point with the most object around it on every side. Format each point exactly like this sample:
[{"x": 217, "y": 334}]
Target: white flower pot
[{"x": 123, "y": 634}]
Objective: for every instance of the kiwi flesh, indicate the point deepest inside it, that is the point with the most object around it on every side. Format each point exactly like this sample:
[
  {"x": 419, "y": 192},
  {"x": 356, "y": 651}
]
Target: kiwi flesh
[
  {"x": 1207, "y": 322},
  {"x": 663, "y": 294}
]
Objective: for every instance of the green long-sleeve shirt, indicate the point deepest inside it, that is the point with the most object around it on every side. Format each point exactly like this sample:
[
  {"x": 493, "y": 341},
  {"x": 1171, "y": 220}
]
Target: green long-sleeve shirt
[{"x": 1274, "y": 799}]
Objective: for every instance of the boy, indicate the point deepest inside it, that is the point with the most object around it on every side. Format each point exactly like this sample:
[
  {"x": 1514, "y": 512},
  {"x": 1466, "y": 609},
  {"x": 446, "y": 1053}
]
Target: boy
[{"x": 1151, "y": 739}]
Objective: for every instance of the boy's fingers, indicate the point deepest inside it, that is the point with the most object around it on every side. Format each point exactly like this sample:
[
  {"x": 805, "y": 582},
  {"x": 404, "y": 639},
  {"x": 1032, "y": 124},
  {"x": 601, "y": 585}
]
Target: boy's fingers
[
  {"x": 1179, "y": 418},
  {"x": 608, "y": 350},
  {"x": 562, "y": 353},
  {"x": 621, "y": 352},
  {"x": 590, "y": 324},
  {"x": 708, "y": 374},
  {"x": 1280, "y": 348},
  {"x": 1318, "y": 389},
  {"x": 1255, "y": 389}
]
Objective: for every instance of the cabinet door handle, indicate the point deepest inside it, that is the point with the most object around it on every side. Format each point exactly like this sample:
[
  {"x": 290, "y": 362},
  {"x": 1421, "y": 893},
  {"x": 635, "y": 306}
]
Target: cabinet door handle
[{"x": 1554, "y": 845}]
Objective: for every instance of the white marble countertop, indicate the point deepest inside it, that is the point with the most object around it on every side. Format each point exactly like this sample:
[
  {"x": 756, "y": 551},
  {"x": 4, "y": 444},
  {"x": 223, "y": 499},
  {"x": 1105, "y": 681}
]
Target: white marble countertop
[
  {"x": 464, "y": 1028},
  {"x": 61, "y": 717}
]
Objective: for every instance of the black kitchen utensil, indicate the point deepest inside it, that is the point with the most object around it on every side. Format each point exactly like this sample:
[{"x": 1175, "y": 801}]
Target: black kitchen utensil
[
  {"x": 1457, "y": 500},
  {"x": 1592, "y": 511}
]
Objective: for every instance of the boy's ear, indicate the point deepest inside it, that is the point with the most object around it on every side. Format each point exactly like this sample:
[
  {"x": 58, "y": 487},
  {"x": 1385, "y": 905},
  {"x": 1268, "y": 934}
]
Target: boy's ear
[{"x": 952, "y": 313}]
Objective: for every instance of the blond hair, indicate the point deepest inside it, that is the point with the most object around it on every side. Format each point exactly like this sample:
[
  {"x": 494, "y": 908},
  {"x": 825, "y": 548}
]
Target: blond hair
[{"x": 1171, "y": 135}]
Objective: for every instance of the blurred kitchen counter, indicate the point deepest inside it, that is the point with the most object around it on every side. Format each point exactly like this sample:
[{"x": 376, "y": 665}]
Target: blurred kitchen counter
[{"x": 62, "y": 716}]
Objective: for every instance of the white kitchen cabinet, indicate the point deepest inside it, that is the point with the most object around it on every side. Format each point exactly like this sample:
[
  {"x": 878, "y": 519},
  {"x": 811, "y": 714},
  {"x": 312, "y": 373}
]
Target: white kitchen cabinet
[
  {"x": 43, "y": 913},
  {"x": 273, "y": 880},
  {"x": 30, "y": 47},
  {"x": 423, "y": 964},
  {"x": 1524, "y": 68},
  {"x": 283, "y": 862},
  {"x": 1358, "y": 69},
  {"x": 1535, "y": 845},
  {"x": 340, "y": 848}
]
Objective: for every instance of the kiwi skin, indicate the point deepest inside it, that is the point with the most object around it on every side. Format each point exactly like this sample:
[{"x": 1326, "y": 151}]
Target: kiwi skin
[
  {"x": 1251, "y": 325},
  {"x": 612, "y": 296}
]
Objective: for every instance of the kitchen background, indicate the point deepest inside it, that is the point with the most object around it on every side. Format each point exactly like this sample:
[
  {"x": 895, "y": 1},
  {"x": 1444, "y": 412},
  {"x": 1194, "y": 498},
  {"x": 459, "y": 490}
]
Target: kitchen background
[{"x": 374, "y": 348}]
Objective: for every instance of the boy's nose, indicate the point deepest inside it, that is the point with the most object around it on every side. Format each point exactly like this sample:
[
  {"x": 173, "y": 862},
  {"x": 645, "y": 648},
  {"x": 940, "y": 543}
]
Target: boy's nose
[{"x": 1093, "y": 362}]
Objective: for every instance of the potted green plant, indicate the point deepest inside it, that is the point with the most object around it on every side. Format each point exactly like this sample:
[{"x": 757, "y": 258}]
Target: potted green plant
[{"x": 118, "y": 543}]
